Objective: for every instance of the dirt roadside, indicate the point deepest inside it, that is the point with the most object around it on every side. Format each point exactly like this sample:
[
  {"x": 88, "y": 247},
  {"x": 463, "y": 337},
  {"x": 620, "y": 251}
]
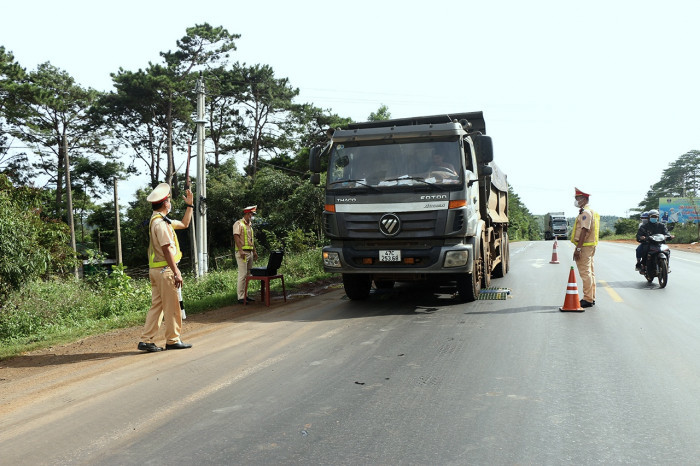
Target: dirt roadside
[{"x": 693, "y": 247}]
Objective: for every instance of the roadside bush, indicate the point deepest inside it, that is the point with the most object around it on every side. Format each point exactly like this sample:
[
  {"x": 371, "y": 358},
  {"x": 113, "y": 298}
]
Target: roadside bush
[
  {"x": 42, "y": 308},
  {"x": 30, "y": 246},
  {"x": 626, "y": 226},
  {"x": 685, "y": 233}
]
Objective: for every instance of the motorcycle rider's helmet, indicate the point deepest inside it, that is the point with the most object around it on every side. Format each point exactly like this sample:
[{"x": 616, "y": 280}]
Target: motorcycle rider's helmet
[
  {"x": 653, "y": 216},
  {"x": 645, "y": 215}
]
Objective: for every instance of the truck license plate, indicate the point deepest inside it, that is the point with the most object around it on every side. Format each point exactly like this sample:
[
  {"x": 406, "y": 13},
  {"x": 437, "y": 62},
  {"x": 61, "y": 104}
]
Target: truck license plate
[{"x": 390, "y": 255}]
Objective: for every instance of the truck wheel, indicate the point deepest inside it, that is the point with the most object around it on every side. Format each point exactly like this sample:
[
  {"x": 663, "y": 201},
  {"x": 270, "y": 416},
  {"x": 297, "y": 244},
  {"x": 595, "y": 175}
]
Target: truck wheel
[
  {"x": 469, "y": 285},
  {"x": 357, "y": 286},
  {"x": 486, "y": 263},
  {"x": 502, "y": 268}
]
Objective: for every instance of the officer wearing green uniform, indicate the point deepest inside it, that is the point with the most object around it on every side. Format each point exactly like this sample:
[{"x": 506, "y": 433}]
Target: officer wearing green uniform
[
  {"x": 585, "y": 236},
  {"x": 163, "y": 255}
]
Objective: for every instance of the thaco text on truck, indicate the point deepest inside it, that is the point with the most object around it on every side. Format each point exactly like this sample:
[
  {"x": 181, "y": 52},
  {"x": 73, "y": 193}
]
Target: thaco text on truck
[{"x": 414, "y": 199}]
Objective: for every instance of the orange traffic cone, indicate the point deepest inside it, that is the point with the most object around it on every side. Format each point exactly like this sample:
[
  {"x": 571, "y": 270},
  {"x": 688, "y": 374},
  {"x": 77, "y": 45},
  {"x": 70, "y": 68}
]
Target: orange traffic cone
[
  {"x": 555, "y": 256},
  {"x": 571, "y": 302}
]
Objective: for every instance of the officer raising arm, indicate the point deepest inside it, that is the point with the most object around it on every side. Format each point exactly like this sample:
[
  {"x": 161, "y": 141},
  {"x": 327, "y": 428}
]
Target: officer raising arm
[{"x": 163, "y": 256}]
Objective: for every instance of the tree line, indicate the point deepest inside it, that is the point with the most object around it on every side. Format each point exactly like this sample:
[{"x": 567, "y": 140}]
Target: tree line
[{"x": 144, "y": 125}]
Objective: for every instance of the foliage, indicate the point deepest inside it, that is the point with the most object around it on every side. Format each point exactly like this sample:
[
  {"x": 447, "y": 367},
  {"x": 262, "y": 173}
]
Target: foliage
[
  {"x": 522, "y": 225},
  {"x": 42, "y": 309},
  {"x": 266, "y": 102},
  {"x": 680, "y": 179},
  {"x": 52, "y": 116},
  {"x": 30, "y": 246},
  {"x": 151, "y": 110},
  {"x": 685, "y": 233},
  {"x": 12, "y": 164},
  {"x": 626, "y": 226},
  {"x": 381, "y": 114}
]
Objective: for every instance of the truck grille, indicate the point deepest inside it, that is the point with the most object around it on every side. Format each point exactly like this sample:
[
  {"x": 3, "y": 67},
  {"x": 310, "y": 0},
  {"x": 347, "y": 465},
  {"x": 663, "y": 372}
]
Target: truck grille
[{"x": 413, "y": 224}]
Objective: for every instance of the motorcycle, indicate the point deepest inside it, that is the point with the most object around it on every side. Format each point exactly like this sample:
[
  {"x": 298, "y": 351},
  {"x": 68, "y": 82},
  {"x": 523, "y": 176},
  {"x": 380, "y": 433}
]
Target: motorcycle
[{"x": 657, "y": 259}]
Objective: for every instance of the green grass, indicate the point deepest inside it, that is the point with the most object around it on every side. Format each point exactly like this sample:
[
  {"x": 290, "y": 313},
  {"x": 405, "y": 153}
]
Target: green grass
[{"x": 47, "y": 313}]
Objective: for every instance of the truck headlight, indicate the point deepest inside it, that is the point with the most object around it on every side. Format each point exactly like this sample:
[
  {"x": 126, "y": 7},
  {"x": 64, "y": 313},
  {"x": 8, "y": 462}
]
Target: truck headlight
[
  {"x": 331, "y": 259},
  {"x": 456, "y": 258}
]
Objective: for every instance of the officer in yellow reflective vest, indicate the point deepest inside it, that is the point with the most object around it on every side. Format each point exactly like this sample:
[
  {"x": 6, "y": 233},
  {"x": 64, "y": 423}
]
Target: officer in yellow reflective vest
[
  {"x": 585, "y": 236},
  {"x": 244, "y": 240},
  {"x": 163, "y": 255}
]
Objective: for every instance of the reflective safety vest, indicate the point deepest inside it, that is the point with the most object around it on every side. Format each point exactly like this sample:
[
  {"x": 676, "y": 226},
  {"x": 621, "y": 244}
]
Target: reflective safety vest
[
  {"x": 246, "y": 246},
  {"x": 151, "y": 252},
  {"x": 596, "y": 229}
]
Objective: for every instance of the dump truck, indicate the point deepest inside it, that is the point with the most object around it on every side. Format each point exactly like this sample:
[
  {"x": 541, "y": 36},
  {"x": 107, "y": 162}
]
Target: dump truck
[
  {"x": 414, "y": 199},
  {"x": 555, "y": 225}
]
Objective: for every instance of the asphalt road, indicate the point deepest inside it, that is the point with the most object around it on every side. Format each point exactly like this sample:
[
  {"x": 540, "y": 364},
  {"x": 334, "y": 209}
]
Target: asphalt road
[{"x": 407, "y": 377}]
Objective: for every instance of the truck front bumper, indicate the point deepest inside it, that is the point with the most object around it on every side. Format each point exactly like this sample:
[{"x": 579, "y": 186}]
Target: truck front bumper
[{"x": 437, "y": 259}]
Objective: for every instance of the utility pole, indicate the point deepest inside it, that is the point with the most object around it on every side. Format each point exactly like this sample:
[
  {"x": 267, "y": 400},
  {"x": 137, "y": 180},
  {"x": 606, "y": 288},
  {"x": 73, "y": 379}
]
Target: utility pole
[
  {"x": 117, "y": 227},
  {"x": 201, "y": 202},
  {"x": 69, "y": 193}
]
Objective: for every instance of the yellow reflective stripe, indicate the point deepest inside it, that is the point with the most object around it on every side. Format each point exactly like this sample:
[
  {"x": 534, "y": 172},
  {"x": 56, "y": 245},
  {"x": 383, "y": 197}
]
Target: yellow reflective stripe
[
  {"x": 246, "y": 246},
  {"x": 151, "y": 252},
  {"x": 596, "y": 229}
]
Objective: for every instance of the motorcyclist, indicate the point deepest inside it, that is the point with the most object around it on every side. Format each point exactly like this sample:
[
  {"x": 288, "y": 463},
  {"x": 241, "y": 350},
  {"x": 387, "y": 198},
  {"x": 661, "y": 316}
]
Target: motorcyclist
[
  {"x": 645, "y": 230},
  {"x": 644, "y": 219}
]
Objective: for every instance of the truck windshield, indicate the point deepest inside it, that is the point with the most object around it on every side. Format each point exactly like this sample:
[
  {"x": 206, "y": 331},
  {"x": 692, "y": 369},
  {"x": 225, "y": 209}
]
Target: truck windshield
[{"x": 396, "y": 165}]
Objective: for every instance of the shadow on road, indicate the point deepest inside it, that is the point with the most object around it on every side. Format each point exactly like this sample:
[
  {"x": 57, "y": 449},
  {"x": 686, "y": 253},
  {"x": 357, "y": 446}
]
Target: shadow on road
[
  {"x": 518, "y": 310},
  {"x": 47, "y": 360}
]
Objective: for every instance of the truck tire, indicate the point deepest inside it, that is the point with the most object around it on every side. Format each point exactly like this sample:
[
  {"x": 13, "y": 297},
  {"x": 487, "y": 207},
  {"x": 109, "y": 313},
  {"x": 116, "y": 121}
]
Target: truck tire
[
  {"x": 357, "y": 286},
  {"x": 486, "y": 262},
  {"x": 503, "y": 267},
  {"x": 469, "y": 285}
]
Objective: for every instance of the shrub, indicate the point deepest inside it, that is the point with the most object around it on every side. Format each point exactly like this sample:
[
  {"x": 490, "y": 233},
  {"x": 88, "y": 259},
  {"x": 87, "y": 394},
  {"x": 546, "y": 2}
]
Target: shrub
[
  {"x": 685, "y": 233},
  {"x": 626, "y": 226}
]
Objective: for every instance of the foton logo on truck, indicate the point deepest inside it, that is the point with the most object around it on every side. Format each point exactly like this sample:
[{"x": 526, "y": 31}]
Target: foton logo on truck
[{"x": 433, "y": 197}]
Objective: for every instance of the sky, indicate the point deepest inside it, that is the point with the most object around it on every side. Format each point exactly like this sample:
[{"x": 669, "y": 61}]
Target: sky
[{"x": 599, "y": 95}]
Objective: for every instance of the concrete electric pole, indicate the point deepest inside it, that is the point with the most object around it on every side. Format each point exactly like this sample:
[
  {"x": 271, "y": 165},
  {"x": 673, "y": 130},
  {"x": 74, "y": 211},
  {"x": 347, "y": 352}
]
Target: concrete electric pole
[{"x": 201, "y": 202}]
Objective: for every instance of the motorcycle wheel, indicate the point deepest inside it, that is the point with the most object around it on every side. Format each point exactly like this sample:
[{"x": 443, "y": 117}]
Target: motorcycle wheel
[
  {"x": 663, "y": 273},
  {"x": 649, "y": 275}
]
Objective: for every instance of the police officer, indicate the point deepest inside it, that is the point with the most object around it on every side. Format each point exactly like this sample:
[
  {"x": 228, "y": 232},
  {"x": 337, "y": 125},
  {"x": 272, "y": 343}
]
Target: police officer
[
  {"x": 244, "y": 240},
  {"x": 585, "y": 236},
  {"x": 163, "y": 255}
]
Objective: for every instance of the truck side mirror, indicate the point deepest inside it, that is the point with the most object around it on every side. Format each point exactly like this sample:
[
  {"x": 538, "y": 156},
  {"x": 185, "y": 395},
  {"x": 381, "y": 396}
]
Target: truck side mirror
[
  {"x": 315, "y": 178},
  {"x": 315, "y": 160},
  {"x": 484, "y": 148},
  {"x": 485, "y": 170}
]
